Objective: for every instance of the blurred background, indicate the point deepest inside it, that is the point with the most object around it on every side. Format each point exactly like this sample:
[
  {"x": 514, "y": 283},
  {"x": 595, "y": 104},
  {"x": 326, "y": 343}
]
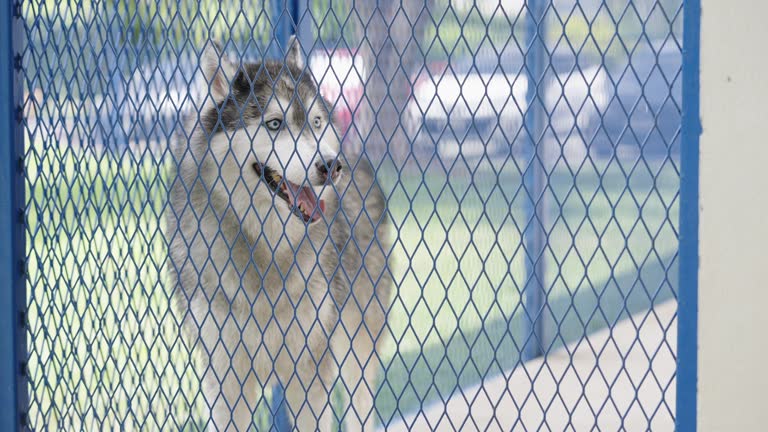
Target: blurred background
[{"x": 529, "y": 151}]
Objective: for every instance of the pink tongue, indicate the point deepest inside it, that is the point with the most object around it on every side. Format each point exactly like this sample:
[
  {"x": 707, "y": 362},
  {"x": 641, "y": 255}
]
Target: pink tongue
[{"x": 305, "y": 197}]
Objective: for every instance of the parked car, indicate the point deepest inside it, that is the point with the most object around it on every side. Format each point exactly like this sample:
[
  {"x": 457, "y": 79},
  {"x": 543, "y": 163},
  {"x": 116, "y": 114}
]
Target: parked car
[{"x": 596, "y": 106}]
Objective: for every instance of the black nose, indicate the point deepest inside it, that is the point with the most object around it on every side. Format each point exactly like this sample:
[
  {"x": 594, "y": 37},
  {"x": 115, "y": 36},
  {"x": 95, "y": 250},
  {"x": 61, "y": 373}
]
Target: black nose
[{"x": 329, "y": 167}]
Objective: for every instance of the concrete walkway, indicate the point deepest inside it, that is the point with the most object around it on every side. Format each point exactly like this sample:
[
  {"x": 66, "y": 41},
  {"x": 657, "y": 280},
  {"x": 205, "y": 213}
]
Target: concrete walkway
[{"x": 619, "y": 379}]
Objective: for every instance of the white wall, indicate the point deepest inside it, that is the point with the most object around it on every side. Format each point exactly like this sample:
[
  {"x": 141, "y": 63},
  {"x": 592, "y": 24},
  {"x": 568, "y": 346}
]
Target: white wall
[{"x": 733, "y": 273}]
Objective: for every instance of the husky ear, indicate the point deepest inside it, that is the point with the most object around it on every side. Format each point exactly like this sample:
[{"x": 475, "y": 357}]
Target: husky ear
[
  {"x": 294, "y": 56},
  {"x": 217, "y": 70}
]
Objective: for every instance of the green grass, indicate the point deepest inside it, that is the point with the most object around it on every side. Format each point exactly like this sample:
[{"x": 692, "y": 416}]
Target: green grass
[
  {"x": 104, "y": 342},
  {"x": 457, "y": 316}
]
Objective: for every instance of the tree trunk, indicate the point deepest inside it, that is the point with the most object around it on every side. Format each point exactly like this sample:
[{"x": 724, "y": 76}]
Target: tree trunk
[{"x": 390, "y": 37}]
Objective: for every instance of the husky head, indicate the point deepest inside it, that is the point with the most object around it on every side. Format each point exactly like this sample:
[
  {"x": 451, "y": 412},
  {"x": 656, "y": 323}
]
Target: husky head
[{"x": 271, "y": 136}]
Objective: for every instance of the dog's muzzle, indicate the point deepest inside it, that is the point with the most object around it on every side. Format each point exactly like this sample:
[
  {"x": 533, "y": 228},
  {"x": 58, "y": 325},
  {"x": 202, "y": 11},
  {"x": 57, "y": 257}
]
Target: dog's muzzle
[
  {"x": 329, "y": 169},
  {"x": 302, "y": 200}
]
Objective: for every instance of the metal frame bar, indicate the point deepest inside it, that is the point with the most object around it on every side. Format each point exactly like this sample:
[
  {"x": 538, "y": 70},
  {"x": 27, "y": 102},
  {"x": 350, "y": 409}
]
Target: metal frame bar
[
  {"x": 285, "y": 27},
  {"x": 535, "y": 181},
  {"x": 284, "y": 23},
  {"x": 687, "y": 313},
  {"x": 13, "y": 381}
]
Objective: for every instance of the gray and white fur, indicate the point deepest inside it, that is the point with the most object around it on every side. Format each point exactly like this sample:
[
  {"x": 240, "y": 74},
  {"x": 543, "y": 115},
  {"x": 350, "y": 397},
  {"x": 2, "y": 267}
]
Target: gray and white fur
[{"x": 267, "y": 291}]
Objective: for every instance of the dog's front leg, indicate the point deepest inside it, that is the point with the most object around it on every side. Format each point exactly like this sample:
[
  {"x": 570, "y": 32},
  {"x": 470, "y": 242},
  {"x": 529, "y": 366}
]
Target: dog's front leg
[
  {"x": 231, "y": 390},
  {"x": 360, "y": 366},
  {"x": 308, "y": 395}
]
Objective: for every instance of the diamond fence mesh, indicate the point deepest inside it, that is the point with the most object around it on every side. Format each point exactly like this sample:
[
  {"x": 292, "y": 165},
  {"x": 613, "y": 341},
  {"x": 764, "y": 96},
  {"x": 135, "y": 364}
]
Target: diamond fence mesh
[{"x": 420, "y": 215}]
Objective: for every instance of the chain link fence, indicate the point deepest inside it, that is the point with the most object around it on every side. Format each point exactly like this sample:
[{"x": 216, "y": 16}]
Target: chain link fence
[{"x": 420, "y": 215}]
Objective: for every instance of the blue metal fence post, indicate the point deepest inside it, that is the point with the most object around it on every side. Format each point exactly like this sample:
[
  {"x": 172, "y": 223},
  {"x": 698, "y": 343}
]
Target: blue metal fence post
[
  {"x": 279, "y": 409},
  {"x": 304, "y": 24},
  {"x": 287, "y": 19},
  {"x": 534, "y": 180},
  {"x": 114, "y": 63},
  {"x": 13, "y": 384},
  {"x": 283, "y": 20},
  {"x": 688, "y": 296},
  {"x": 287, "y": 16}
]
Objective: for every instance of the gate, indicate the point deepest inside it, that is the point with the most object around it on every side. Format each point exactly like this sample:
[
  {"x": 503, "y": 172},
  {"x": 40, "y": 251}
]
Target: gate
[{"x": 524, "y": 274}]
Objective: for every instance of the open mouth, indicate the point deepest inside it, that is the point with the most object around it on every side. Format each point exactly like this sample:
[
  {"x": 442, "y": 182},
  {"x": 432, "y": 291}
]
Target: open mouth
[{"x": 302, "y": 200}]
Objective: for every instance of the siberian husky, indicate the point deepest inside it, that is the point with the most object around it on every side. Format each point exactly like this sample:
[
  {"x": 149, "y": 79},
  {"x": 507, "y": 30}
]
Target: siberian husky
[{"x": 279, "y": 247}]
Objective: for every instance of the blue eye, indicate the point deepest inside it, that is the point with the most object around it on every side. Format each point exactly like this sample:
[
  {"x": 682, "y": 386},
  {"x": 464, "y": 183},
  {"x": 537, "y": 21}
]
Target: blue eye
[
  {"x": 317, "y": 122},
  {"x": 274, "y": 124}
]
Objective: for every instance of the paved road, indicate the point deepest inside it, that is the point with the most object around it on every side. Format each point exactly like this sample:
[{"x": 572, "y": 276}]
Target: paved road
[{"x": 604, "y": 383}]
